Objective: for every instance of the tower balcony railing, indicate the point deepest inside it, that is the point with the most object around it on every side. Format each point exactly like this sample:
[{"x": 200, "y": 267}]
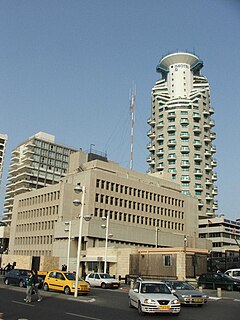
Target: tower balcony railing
[
  {"x": 206, "y": 112},
  {"x": 208, "y": 182},
  {"x": 171, "y": 129},
  {"x": 160, "y": 152},
  {"x": 207, "y": 139},
  {"x": 198, "y": 173},
  {"x": 196, "y": 115},
  {"x": 185, "y": 149},
  {"x": 214, "y": 177},
  {"x": 172, "y": 142},
  {"x": 160, "y": 137},
  {"x": 212, "y": 123},
  {"x": 171, "y": 115},
  {"x": 214, "y": 163},
  {"x": 213, "y": 149},
  {"x": 212, "y": 135},
  {"x": 196, "y": 129},
  {"x": 211, "y": 110},
  {"x": 206, "y": 125},
  {"x": 160, "y": 124},
  {"x": 160, "y": 166}
]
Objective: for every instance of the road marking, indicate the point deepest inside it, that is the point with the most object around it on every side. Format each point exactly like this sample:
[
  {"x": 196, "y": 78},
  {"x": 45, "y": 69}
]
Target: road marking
[
  {"x": 81, "y": 300},
  {"x": 236, "y": 300},
  {"x": 24, "y": 303},
  {"x": 82, "y": 316}
]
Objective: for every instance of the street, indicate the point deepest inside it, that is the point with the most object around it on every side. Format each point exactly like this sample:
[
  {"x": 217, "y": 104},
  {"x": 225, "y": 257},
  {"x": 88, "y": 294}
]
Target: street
[{"x": 100, "y": 305}]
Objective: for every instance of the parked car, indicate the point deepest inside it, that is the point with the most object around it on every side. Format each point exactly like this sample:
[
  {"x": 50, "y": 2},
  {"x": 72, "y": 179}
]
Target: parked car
[
  {"x": 218, "y": 280},
  {"x": 153, "y": 297},
  {"x": 186, "y": 293},
  {"x": 17, "y": 277},
  {"x": 234, "y": 273},
  {"x": 103, "y": 280},
  {"x": 64, "y": 281}
]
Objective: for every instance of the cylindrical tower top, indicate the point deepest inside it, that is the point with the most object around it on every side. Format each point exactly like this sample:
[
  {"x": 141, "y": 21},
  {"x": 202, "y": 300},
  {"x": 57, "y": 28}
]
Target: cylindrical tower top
[{"x": 177, "y": 58}]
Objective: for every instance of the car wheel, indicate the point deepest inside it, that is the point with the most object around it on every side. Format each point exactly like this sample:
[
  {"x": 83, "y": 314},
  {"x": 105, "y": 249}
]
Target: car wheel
[
  {"x": 20, "y": 284},
  {"x": 103, "y": 285},
  {"x": 6, "y": 281},
  {"x": 67, "y": 290},
  {"x": 130, "y": 303},
  {"x": 140, "y": 312},
  {"x": 45, "y": 287}
]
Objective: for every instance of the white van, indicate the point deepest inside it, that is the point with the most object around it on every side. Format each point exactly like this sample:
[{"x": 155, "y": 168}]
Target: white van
[{"x": 234, "y": 273}]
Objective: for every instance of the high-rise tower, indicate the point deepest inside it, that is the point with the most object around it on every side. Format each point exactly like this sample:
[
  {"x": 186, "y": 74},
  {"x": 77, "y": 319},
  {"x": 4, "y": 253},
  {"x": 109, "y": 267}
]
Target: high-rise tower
[
  {"x": 181, "y": 131},
  {"x": 3, "y": 141},
  {"x": 35, "y": 163}
]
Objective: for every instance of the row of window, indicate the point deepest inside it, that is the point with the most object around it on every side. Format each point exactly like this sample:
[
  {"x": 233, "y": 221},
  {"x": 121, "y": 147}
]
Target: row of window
[
  {"x": 29, "y": 214},
  {"x": 141, "y": 220},
  {"x": 36, "y": 226},
  {"x": 35, "y": 253},
  {"x": 35, "y": 240},
  {"x": 50, "y": 196},
  {"x": 146, "y": 208},
  {"x": 115, "y": 187}
]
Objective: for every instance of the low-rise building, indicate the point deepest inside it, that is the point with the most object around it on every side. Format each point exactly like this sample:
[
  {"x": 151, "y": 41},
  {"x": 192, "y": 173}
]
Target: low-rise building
[{"x": 144, "y": 210}]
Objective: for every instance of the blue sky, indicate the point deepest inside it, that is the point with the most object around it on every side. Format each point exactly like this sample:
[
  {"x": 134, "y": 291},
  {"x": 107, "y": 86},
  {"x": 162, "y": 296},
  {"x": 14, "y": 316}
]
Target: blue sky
[{"x": 66, "y": 68}]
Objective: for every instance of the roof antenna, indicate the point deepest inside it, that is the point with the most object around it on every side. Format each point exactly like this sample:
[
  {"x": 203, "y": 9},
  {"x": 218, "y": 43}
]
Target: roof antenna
[{"x": 132, "y": 105}]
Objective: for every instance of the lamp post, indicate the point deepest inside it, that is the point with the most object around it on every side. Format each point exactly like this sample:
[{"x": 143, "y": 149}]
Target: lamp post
[
  {"x": 69, "y": 224},
  {"x": 77, "y": 202},
  {"x": 156, "y": 243},
  {"x": 107, "y": 235}
]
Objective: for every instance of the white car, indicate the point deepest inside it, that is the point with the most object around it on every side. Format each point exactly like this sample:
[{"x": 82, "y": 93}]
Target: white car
[
  {"x": 153, "y": 297},
  {"x": 234, "y": 273},
  {"x": 103, "y": 280}
]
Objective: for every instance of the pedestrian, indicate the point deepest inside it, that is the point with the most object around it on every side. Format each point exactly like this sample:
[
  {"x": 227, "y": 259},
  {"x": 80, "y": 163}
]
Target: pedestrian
[
  {"x": 29, "y": 287},
  {"x": 36, "y": 285}
]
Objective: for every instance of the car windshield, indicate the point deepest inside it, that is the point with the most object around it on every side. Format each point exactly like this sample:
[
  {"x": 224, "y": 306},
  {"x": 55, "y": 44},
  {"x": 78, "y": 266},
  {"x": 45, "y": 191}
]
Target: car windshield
[
  {"x": 70, "y": 276},
  {"x": 154, "y": 288},
  {"x": 182, "y": 286},
  {"x": 105, "y": 276}
]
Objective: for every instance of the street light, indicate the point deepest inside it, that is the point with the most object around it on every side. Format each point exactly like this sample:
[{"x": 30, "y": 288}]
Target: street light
[
  {"x": 107, "y": 235},
  {"x": 156, "y": 244},
  {"x": 77, "y": 202},
  {"x": 69, "y": 224}
]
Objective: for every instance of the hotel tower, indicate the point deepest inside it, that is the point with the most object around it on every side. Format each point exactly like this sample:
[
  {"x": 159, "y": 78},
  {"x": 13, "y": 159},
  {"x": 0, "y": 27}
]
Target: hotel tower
[{"x": 181, "y": 134}]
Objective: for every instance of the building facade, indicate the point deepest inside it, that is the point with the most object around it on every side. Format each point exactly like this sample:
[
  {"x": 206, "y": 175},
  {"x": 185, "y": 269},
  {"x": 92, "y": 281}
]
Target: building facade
[
  {"x": 181, "y": 133},
  {"x": 36, "y": 163},
  {"x": 3, "y": 142},
  {"x": 144, "y": 210},
  {"x": 224, "y": 233}
]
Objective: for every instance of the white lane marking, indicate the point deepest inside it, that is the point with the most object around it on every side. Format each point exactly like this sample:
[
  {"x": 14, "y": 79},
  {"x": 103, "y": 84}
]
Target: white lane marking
[
  {"x": 24, "y": 303},
  {"x": 214, "y": 298},
  {"x": 80, "y": 300},
  {"x": 236, "y": 300},
  {"x": 82, "y": 316}
]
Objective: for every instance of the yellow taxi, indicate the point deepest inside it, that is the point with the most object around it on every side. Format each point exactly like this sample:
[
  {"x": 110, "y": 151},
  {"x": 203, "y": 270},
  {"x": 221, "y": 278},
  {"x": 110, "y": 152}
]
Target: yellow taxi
[{"x": 64, "y": 281}]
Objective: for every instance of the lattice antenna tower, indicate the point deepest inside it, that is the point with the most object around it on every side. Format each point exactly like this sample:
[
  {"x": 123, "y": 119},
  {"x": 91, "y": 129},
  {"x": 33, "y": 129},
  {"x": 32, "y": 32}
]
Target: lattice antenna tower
[{"x": 132, "y": 110}]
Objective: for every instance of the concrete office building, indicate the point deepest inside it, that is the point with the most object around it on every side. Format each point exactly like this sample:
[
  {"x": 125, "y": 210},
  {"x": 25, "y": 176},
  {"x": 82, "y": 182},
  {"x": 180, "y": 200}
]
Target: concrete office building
[
  {"x": 144, "y": 210},
  {"x": 35, "y": 163},
  {"x": 3, "y": 142},
  {"x": 181, "y": 131},
  {"x": 224, "y": 233}
]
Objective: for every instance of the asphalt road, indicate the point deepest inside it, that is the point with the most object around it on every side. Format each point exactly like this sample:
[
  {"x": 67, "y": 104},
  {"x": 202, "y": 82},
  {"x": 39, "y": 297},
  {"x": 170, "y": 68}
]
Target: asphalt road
[{"x": 101, "y": 305}]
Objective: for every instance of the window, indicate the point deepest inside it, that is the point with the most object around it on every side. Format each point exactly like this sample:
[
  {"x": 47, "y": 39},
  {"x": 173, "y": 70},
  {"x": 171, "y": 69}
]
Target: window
[{"x": 167, "y": 261}]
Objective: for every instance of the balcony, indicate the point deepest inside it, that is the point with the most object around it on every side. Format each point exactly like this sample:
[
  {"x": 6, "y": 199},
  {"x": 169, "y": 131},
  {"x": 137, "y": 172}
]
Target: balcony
[
  {"x": 197, "y": 157},
  {"x": 196, "y": 116},
  {"x": 209, "y": 197},
  {"x": 208, "y": 182},
  {"x": 185, "y": 178},
  {"x": 196, "y": 129},
  {"x": 206, "y": 125},
  {"x": 207, "y": 139},
  {"x": 214, "y": 163},
  {"x": 212, "y": 135},
  {"x": 198, "y": 172},
  {"x": 214, "y": 177},
  {"x": 215, "y": 191},
  {"x": 185, "y": 164},
  {"x": 206, "y": 112},
  {"x": 171, "y": 129},
  {"x": 212, "y": 123},
  {"x": 151, "y": 134},
  {"x": 207, "y": 153},
  {"x": 160, "y": 152},
  {"x": 150, "y": 159},
  {"x": 213, "y": 149},
  {"x": 159, "y": 166},
  {"x": 185, "y": 149},
  {"x": 211, "y": 110},
  {"x": 200, "y": 203},
  {"x": 184, "y": 135},
  {"x": 208, "y": 167},
  {"x": 151, "y": 122},
  {"x": 171, "y": 115},
  {"x": 160, "y": 137},
  {"x": 160, "y": 124},
  {"x": 198, "y": 187},
  {"x": 197, "y": 143},
  {"x": 171, "y": 156},
  {"x": 172, "y": 142}
]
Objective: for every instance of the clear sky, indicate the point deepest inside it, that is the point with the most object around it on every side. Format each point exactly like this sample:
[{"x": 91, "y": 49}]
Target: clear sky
[{"x": 66, "y": 68}]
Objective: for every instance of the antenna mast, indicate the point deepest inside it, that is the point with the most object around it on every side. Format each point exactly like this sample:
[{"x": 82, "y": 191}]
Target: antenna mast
[{"x": 132, "y": 104}]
